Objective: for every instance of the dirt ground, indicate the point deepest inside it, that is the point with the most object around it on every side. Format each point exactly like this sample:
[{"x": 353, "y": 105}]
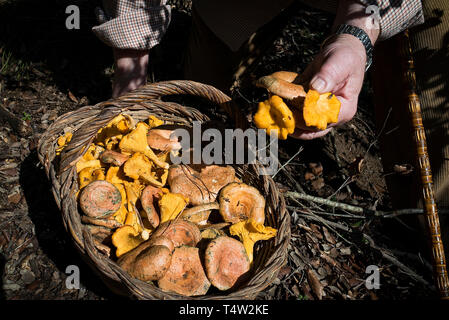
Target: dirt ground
[{"x": 47, "y": 70}]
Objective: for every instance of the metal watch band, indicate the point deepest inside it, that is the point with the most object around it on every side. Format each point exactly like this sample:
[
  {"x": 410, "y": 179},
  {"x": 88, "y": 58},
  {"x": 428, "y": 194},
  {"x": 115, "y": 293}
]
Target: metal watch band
[{"x": 362, "y": 36}]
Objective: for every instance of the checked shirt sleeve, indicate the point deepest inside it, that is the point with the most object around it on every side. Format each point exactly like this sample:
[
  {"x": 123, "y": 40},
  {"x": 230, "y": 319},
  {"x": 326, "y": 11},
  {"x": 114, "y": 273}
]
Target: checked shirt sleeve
[
  {"x": 132, "y": 24},
  {"x": 396, "y": 15}
]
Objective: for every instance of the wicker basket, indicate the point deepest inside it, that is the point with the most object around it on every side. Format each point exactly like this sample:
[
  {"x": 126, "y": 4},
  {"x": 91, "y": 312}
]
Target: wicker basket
[{"x": 269, "y": 256}]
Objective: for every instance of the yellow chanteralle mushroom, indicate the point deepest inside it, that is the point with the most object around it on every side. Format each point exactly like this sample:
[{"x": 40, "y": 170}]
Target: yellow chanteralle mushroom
[
  {"x": 110, "y": 135},
  {"x": 136, "y": 142},
  {"x": 63, "y": 141},
  {"x": 276, "y": 117},
  {"x": 115, "y": 176},
  {"x": 250, "y": 232},
  {"x": 90, "y": 159},
  {"x": 154, "y": 122},
  {"x": 140, "y": 167},
  {"x": 89, "y": 174},
  {"x": 125, "y": 239},
  {"x": 171, "y": 205},
  {"x": 133, "y": 218},
  {"x": 320, "y": 109}
]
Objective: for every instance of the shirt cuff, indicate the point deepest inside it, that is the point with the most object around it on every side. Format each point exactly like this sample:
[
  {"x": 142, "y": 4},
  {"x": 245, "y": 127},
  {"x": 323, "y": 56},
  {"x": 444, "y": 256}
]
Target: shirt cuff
[{"x": 395, "y": 16}]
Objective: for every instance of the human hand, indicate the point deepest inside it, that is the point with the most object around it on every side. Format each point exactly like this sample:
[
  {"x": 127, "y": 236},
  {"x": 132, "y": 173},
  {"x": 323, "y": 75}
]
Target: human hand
[{"x": 338, "y": 68}]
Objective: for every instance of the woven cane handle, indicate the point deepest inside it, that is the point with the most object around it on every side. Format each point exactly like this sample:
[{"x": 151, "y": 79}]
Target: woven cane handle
[{"x": 187, "y": 87}]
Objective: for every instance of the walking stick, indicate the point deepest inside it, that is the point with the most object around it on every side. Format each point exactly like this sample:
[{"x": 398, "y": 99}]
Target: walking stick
[{"x": 430, "y": 208}]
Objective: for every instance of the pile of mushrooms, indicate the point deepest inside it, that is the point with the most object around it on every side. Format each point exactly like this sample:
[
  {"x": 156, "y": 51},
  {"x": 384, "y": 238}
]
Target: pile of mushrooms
[{"x": 185, "y": 229}]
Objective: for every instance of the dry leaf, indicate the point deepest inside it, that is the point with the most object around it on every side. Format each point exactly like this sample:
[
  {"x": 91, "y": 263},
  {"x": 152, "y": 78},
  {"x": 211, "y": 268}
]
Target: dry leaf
[
  {"x": 72, "y": 97},
  {"x": 315, "y": 284}
]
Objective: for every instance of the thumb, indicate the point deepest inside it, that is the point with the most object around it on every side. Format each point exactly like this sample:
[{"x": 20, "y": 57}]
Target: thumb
[{"x": 330, "y": 75}]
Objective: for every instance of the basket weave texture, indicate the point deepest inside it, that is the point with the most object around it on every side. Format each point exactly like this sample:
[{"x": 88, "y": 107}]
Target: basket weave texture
[{"x": 84, "y": 123}]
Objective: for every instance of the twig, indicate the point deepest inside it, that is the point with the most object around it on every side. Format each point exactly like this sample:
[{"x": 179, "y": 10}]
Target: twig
[
  {"x": 355, "y": 209},
  {"x": 337, "y": 159},
  {"x": 331, "y": 225},
  {"x": 390, "y": 257},
  {"x": 330, "y": 203},
  {"x": 349, "y": 216},
  {"x": 288, "y": 161},
  {"x": 380, "y": 132},
  {"x": 299, "y": 188}
]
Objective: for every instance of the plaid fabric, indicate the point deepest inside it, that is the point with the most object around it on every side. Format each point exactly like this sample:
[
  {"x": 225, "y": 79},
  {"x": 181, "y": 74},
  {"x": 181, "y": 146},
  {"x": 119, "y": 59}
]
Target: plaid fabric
[
  {"x": 132, "y": 24},
  {"x": 396, "y": 15},
  {"x": 141, "y": 24}
]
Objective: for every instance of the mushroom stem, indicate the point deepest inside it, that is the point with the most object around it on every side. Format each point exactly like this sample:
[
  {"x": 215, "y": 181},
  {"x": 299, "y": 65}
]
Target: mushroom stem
[
  {"x": 281, "y": 87},
  {"x": 149, "y": 195},
  {"x": 145, "y": 234},
  {"x": 217, "y": 226},
  {"x": 112, "y": 157},
  {"x": 109, "y": 223},
  {"x": 199, "y": 213}
]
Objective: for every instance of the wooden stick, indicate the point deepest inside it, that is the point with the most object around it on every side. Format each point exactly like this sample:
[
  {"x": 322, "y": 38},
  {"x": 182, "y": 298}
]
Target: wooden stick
[{"x": 432, "y": 219}]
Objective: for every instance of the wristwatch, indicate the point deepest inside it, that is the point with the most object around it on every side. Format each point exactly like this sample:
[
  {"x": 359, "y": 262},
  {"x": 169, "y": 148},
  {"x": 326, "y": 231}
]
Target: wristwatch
[{"x": 362, "y": 36}]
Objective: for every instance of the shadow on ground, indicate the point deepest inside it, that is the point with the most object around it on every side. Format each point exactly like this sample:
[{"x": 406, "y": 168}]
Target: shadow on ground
[
  {"x": 53, "y": 239},
  {"x": 34, "y": 39}
]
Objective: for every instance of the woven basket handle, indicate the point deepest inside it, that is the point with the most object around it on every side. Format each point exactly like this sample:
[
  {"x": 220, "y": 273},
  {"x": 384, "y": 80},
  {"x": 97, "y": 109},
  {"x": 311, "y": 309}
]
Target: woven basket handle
[{"x": 186, "y": 87}]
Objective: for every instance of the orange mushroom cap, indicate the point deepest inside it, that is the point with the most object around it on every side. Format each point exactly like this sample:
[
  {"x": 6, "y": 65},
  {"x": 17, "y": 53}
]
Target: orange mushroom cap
[
  {"x": 151, "y": 263},
  {"x": 320, "y": 109},
  {"x": 199, "y": 187},
  {"x": 180, "y": 232},
  {"x": 226, "y": 262},
  {"x": 239, "y": 202},
  {"x": 100, "y": 199},
  {"x": 160, "y": 139},
  {"x": 186, "y": 275}
]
